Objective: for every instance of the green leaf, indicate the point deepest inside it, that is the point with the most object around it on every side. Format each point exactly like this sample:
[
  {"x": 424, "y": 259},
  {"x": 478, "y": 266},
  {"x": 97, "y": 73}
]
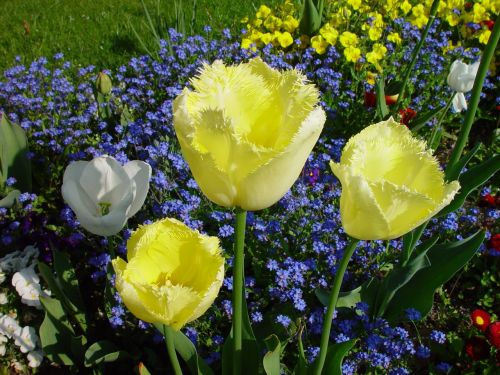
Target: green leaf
[
  {"x": 418, "y": 122},
  {"x": 187, "y": 351},
  {"x": 142, "y": 369},
  {"x": 456, "y": 170},
  {"x": 471, "y": 180},
  {"x": 310, "y": 21},
  {"x": 271, "y": 359},
  {"x": 70, "y": 288},
  {"x": 57, "y": 336},
  {"x": 382, "y": 109},
  {"x": 10, "y": 199},
  {"x": 14, "y": 158},
  {"x": 103, "y": 351},
  {"x": 250, "y": 349},
  {"x": 445, "y": 259},
  {"x": 396, "y": 279},
  {"x": 334, "y": 357}
]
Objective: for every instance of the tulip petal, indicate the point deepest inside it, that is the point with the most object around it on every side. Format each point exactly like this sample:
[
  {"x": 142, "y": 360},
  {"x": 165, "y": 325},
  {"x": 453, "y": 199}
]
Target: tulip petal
[
  {"x": 73, "y": 173},
  {"x": 268, "y": 184},
  {"x": 139, "y": 172},
  {"x": 360, "y": 214},
  {"x": 459, "y": 102},
  {"x": 208, "y": 298},
  {"x": 129, "y": 294},
  {"x": 106, "y": 180}
]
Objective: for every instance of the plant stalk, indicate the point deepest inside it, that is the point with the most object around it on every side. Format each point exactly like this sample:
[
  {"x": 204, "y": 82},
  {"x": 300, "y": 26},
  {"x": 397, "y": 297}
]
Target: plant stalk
[
  {"x": 169, "y": 339},
  {"x": 238, "y": 277},
  {"x": 435, "y": 132},
  {"x": 463, "y": 136},
  {"x": 327, "y": 323}
]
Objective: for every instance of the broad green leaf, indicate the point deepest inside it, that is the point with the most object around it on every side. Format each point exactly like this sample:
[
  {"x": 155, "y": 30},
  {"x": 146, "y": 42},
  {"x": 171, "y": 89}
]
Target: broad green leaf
[
  {"x": 445, "y": 259},
  {"x": 14, "y": 157},
  {"x": 69, "y": 286},
  {"x": 187, "y": 351},
  {"x": 382, "y": 109},
  {"x": 103, "y": 351},
  {"x": 271, "y": 359},
  {"x": 366, "y": 292},
  {"x": 418, "y": 122},
  {"x": 396, "y": 279},
  {"x": 56, "y": 334},
  {"x": 334, "y": 357},
  {"x": 10, "y": 199},
  {"x": 471, "y": 180},
  {"x": 310, "y": 21},
  {"x": 454, "y": 172}
]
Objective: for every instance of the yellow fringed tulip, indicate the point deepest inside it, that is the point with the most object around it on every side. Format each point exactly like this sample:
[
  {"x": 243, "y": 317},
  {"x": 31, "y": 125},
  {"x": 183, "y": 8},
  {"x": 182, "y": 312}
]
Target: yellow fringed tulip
[
  {"x": 246, "y": 131},
  {"x": 390, "y": 183},
  {"x": 173, "y": 273}
]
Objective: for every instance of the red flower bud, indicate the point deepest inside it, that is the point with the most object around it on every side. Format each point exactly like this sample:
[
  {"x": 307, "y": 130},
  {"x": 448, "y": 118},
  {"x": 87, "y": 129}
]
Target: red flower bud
[
  {"x": 407, "y": 115},
  {"x": 493, "y": 334},
  {"x": 477, "y": 348}
]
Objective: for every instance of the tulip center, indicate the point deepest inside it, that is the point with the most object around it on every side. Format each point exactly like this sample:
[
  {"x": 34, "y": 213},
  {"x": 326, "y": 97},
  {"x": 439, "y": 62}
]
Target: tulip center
[{"x": 104, "y": 208}]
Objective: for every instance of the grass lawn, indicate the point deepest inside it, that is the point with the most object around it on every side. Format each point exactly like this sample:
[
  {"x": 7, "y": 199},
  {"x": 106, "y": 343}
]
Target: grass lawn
[{"x": 100, "y": 32}]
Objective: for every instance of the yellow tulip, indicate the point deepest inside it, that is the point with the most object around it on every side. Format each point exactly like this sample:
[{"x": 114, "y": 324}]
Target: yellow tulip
[
  {"x": 246, "y": 131},
  {"x": 173, "y": 273},
  {"x": 390, "y": 182}
]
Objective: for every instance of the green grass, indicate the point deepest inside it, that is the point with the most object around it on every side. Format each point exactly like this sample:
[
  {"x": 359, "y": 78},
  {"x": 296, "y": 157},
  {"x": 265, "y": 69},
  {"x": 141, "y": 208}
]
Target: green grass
[{"x": 100, "y": 32}]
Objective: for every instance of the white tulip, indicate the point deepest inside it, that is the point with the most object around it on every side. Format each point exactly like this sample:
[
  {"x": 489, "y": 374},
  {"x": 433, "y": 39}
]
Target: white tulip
[
  {"x": 103, "y": 194},
  {"x": 461, "y": 79}
]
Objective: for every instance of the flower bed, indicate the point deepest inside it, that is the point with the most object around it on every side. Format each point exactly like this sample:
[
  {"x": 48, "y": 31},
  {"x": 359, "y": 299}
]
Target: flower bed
[{"x": 293, "y": 248}]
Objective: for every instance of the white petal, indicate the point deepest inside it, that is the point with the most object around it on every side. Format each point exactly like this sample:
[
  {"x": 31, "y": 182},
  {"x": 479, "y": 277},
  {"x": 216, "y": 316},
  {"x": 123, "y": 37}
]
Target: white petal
[
  {"x": 73, "y": 173},
  {"x": 459, "y": 102},
  {"x": 139, "y": 172},
  {"x": 105, "y": 180}
]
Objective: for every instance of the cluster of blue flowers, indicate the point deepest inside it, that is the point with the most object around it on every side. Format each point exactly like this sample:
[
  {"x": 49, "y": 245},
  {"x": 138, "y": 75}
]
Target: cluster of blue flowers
[{"x": 293, "y": 248}]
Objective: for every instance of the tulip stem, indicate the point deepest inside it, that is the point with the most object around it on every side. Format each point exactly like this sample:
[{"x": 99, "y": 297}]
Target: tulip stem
[
  {"x": 436, "y": 135},
  {"x": 463, "y": 137},
  {"x": 169, "y": 339},
  {"x": 327, "y": 323},
  {"x": 238, "y": 277},
  {"x": 416, "y": 51}
]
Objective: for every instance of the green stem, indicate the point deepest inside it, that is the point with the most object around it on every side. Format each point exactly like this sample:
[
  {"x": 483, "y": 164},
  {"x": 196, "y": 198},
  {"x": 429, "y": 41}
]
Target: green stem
[
  {"x": 435, "y": 135},
  {"x": 416, "y": 51},
  {"x": 463, "y": 137},
  {"x": 169, "y": 339},
  {"x": 327, "y": 323},
  {"x": 238, "y": 277},
  {"x": 417, "y": 233}
]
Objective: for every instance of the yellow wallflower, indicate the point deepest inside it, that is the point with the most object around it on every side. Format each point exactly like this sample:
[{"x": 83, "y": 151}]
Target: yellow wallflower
[
  {"x": 480, "y": 13},
  {"x": 390, "y": 183},
  {"x": 419, "y": 17},
  {"x": 348, "y": 39},
  {"x": 247, "y": 43},
  {"x": 453, "y": 19},
  {"x": 263, "y": 12},
  {"x": 290, "y": 24},
  {"x": 284, "y": 39},
  {"x": 451, "y": 46},
  {"x": 246, "y": 131},
  {"x": 405, "y": 6},
  {"x": 257, "y": 22},
  {"x": 375, "y": 33},
  {"x": 272, "y": 23},
  {"x": 394, "y": 37},
  {"x": 266, "y": 38},
  {"x": 355, "y": 4},
  {"x": 371, "y": 77},
  {"x": 329, "y": 34},
  {"x": 352, "y": 54},
  {"x": 484, "y": 36},
  {"x": 173, "y": 274},
  {"x": 319, "y": 44}
]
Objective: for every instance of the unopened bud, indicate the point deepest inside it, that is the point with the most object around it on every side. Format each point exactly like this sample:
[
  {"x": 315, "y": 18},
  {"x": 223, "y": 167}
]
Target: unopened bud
[{"x": 103, "y": 83}]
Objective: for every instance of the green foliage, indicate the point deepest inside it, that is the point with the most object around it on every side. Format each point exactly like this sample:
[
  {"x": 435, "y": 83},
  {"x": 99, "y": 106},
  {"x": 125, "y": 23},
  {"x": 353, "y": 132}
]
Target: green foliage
[
  {"x": 103, "y": 351},
  {"x": 311, "y": 18},
  {"x": 335, "y": 357},
  {"x": 445, "y": 260},
  {"x": 271, "y": 359},
  {"x": 14, "y": 160}
]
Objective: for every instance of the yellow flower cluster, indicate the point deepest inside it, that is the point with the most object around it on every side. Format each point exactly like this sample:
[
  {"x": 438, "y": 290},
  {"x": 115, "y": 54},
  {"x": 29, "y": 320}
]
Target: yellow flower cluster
[
  {"x": 271, "y": 26},
  {"x": 359, "y": 27}
]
